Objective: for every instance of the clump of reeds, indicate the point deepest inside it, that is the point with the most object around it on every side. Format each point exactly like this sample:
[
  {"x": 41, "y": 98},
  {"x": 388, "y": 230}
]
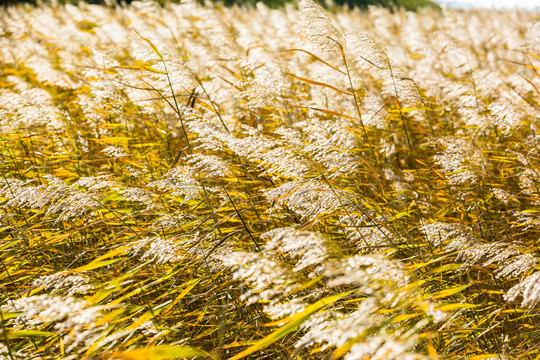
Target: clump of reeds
[{"x": 189, "y": 181}]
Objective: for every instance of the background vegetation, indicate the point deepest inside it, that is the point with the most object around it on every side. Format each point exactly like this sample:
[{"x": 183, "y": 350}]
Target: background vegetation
[
  {"x": 189, "y": 181},
  {"x": 393, "y": 4}
]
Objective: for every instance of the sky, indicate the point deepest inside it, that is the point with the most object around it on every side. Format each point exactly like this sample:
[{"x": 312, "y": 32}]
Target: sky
[{"x": 526, "y": 4}]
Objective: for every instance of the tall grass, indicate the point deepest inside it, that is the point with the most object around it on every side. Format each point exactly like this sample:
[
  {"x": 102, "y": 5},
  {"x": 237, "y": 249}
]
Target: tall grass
[{"x": 189, "y": 181}]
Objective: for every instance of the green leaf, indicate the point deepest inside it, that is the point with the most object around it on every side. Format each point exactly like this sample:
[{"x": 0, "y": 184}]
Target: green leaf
[
  {"x": 28, "y": 333},
  {"x": 151, "y": 45},
  {"x": 485, "y": 356},
  {"x": 450, "y": 291},
  {"x": 451, "y": 307},
  {"x": 5, "y": 316},
  {"x": 97, "y": 263},
  {"x": 140, "y": 67},
  {"x": 161, "y": 352}
]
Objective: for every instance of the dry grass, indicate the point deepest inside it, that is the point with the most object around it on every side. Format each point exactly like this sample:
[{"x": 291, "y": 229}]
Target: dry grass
[{"x": 272, "y": 184}]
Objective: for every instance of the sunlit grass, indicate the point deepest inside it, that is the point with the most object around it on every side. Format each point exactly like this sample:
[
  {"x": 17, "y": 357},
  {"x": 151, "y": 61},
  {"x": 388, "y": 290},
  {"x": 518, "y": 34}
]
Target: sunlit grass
[{"x": 189, "y": 181}]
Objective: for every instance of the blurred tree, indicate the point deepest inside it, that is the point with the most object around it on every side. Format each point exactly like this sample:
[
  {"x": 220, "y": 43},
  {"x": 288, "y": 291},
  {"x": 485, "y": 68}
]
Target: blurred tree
[{"x": 405, "y": 4}]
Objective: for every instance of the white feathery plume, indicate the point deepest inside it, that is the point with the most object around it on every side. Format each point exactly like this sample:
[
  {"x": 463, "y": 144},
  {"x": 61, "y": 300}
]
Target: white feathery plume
[
  {"x": 309, "y": 199},
  {"x": 318, "y": 27},
  {"x": 159, "y": 250},
  {"x": 528, "y": 288},
  {"x": 67, "y": 314},
  {"x": 268, "y": 278},
  {"x": 55, "y": 196},
  {"x": 367, "y": 51},
  {"x": 458, "y": 160},
  {"x": 180, "y": 181},
  {"x": 64, "y": 284},
  {"x": 307, "y": 247}
]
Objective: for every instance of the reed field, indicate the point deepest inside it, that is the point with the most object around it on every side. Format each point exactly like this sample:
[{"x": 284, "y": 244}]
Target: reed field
[{"x": 199, "y": 181}]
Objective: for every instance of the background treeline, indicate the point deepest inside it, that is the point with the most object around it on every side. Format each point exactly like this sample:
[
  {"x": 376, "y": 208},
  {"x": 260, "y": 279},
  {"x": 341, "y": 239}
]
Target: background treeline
[{"x": 394, "y": 4}]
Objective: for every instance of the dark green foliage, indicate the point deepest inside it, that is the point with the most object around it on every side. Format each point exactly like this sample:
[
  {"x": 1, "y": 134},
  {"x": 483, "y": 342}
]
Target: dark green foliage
[
  {"x": 405, "y": 4},
  {"x": 363, "y": 4}
]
